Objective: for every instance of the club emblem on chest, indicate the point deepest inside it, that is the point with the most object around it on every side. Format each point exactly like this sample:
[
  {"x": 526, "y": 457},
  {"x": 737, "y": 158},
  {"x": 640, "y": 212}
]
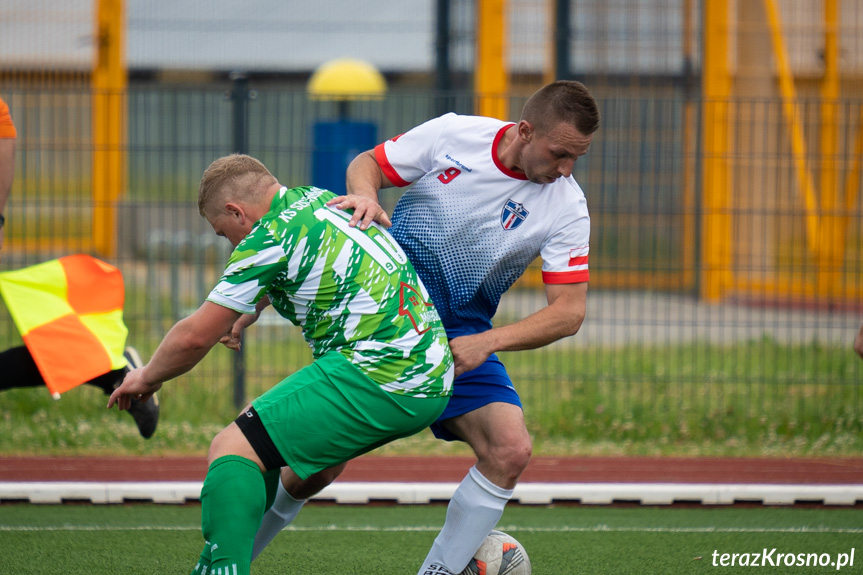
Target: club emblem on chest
[{"x": 512, "y": 215}]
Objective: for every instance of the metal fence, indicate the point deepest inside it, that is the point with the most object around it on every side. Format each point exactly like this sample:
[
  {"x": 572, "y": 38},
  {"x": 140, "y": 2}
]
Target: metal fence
[
  {"x": 650, "y": 342},
  {"x": 724, "y": 184}
]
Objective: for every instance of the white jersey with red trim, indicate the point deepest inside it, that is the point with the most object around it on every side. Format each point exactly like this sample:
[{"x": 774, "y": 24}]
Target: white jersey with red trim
[{"x": 470, "y": 226}]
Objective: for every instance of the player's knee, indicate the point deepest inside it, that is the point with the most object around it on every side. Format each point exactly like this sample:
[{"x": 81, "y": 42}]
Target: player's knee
[
  {"x": 519, "y": 456},
  {"x": 511, "y": 459},
  {"x": 218, "y": 446}
]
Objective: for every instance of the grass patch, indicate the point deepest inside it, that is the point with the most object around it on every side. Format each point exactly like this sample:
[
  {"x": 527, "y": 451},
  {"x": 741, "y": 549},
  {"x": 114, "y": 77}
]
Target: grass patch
[{"x": 757, "y": 398}]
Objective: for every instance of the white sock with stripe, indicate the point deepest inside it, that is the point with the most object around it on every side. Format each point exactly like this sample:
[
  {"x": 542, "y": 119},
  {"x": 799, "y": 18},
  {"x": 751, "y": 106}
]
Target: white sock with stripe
[{"x": 474, "y": 510}]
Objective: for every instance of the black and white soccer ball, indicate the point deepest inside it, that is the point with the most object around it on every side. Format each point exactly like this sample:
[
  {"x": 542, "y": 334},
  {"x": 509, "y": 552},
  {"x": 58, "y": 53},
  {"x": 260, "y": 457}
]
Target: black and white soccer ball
[{"x": 499, "y": 554}]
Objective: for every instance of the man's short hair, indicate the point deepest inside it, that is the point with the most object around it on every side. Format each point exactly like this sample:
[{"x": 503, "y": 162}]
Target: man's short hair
[
  {"x": 564, "y": 101},
  {"x": 233, "y": 178}
]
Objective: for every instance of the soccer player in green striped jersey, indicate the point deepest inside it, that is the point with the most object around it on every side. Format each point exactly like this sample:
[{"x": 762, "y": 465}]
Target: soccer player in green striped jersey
[{"x": 382, "y": 367}]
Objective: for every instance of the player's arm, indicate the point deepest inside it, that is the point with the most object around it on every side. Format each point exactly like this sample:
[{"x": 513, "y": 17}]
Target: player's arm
[
  {"x": 183, "y": 347},
  {"x": 363, "y": 179},
  {"x": 562, "y": 317}
]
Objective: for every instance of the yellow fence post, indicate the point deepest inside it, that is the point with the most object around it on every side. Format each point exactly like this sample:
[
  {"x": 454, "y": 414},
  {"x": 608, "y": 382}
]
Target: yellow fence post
[
  {"x": 491, "y": 77},
  {"x": 717, "y": 230},
  {"x": 549, "y": 70},
  {"x": 108, "y": 88},
  {"x": 832, "y": 239},
  {"x": 791, "y": 112}
]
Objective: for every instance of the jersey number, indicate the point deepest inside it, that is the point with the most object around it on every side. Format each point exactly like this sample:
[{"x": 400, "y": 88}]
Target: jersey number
[
  {"x": 448, "y": 175},
  {"x": 381, "y": 246}
]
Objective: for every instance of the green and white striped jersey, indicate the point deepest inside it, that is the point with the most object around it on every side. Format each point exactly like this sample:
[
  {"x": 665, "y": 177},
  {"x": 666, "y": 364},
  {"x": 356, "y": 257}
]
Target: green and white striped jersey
[{"x": 349, "y": 290}]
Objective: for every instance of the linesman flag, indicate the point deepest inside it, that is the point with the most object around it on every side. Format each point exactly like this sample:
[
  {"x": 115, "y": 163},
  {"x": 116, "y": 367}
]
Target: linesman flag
[{"x": 69, "y": 312}]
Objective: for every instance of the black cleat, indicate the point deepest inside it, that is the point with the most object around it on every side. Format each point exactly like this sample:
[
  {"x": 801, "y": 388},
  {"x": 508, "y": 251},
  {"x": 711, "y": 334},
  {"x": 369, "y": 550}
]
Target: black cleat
[{"x": 145, "y": 414}]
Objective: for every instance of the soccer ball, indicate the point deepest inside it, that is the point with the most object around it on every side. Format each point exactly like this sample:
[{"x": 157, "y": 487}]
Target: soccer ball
[{"x": 499, "y": 554}]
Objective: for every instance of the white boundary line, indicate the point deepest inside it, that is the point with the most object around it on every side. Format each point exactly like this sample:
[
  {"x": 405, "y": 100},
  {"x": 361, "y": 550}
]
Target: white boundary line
[
  {"x": 423, "y": 493},
  {"x": 435, "y": 529}
]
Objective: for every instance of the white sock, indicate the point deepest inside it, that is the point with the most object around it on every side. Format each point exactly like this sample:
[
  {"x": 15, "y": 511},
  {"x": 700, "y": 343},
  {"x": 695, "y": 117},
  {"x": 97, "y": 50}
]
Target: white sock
[
  {"x": 474, "y": 510},
  {"x": 283, "y": 511}
]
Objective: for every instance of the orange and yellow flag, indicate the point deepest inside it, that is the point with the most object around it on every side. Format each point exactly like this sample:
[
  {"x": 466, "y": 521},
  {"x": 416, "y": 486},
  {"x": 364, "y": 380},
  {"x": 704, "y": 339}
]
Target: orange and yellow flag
[{"x": 69, "y": 312}]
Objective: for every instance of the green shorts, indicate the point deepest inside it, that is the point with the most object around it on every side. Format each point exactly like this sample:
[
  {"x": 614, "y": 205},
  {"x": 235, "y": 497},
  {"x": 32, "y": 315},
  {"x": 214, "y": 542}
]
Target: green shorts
[{"x": 330, "y": 412}]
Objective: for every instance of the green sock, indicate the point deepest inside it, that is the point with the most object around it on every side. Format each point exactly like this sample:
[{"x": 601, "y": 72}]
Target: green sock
[
  {"x": 203, "y": 565},
  {"x": 271, "y": 481},
  {"x": 232, "y": 504}
]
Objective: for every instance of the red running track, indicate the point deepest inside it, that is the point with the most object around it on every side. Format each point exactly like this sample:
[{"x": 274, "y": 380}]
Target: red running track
[{"x": 452, "y": 469}]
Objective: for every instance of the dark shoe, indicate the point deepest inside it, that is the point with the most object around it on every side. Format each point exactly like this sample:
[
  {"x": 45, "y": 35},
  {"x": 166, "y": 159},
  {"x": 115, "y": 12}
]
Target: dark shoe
[{"x": 146, "y": 413}]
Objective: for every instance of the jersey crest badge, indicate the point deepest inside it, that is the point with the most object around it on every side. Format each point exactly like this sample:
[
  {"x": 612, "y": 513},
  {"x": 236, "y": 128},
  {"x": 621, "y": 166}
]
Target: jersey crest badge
[{"x": 512, "y": 215}]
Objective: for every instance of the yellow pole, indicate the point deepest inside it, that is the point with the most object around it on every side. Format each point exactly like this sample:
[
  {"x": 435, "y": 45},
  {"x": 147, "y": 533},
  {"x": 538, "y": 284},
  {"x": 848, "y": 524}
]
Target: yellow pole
[
  {"x": 791, "y": 113},
  {"x": 852, "y": 185},
  {"x": 717, "y": 231},
  {"x": 491, "y": 77},
  {"x": 108, "y": 85},
  {"x": 832, "y": 239},
  {"x": 549, "y": 71}
]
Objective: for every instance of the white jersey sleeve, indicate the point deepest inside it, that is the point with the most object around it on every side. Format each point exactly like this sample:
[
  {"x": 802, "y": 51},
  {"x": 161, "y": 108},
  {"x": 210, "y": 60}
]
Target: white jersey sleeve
[
  {"x": 414, "y": 155},
  {"x": 564, "y": 252}
]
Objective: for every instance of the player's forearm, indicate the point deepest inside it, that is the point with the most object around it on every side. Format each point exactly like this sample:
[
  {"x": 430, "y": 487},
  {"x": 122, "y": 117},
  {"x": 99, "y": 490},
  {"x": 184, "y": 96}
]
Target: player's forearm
[
  {"x": 262, "y": 304},
  {"x": 537, "y": 330},
  {"x": 182, "y": 349},
  {"x": 364, "y": 177},
  {"x": 562, "y": 317}
]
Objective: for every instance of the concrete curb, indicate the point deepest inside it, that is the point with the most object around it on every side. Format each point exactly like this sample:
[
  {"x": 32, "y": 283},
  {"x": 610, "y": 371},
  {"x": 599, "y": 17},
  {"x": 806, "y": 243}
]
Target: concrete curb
[{"x": 423, "y": 493}]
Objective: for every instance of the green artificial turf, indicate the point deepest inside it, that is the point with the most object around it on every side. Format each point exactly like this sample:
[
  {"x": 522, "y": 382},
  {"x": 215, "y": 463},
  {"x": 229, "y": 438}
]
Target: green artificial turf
[{"x": 75, "y": 539}]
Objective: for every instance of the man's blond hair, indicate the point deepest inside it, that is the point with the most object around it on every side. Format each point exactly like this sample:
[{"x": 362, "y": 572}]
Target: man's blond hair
[{"x": 237, "y": 178}]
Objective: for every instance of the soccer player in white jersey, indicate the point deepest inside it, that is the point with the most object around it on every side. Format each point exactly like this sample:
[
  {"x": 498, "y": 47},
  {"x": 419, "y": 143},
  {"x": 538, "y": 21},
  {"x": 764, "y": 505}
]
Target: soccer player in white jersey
[{"x": 486, "y": 198}]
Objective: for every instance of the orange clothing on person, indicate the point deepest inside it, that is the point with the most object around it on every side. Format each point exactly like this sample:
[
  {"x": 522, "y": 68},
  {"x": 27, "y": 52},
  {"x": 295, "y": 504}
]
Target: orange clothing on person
[{"x": 7, "y": 128}]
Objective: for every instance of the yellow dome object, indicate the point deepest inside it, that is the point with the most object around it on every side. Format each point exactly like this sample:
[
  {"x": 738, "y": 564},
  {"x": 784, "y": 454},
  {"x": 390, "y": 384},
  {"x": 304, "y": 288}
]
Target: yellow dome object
[{"x": 347, "y": 79}]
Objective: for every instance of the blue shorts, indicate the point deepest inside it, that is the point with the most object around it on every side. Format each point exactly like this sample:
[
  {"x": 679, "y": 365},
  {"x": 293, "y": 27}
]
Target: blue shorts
[{"x": 489, "y": 383}]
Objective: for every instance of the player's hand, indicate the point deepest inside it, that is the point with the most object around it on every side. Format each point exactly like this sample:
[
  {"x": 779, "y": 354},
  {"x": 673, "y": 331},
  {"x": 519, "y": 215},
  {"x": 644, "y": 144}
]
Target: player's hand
[
  {"x": 234, "y": 338},
  {"x": 469, "y": 352},
  {"x": 134, "y": 386},
  {"x": 366, "y": 210}
]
